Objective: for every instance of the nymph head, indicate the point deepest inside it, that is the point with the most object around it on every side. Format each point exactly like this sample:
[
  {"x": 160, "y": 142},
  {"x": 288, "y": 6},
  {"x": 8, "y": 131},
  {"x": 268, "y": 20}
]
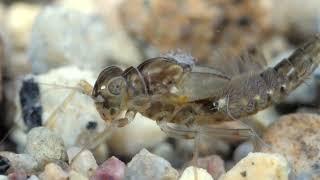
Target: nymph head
[{"x": 109, "y": 93}]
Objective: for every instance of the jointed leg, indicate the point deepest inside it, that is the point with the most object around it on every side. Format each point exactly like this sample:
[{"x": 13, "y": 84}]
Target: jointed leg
[
  {"x": 84, "y": 87},
  {"x": 97, "y": 140},
  {"x": 252, "y": 134}
]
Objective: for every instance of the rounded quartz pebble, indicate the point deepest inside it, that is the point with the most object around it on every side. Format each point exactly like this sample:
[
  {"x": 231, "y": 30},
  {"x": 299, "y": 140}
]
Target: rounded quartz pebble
[
  {"x": 84, "y": 163},
  {"x": 45, "y": 146},
  {"x": 296, "y": 137},
  {"x": 140, "y": 133},
  {"x": 262, "y": 165},
  {"x": 193, "y": 173},
  {"x": 112, "y": 168},
  {"x": 53, "y": 172},
  {"x": 146, "y": 166},
  {"x": 242, "y": 151}
]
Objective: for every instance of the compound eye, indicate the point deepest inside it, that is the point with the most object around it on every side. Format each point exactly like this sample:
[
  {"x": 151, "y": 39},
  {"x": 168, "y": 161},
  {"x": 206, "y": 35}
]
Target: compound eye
[
  {"x": 115, "y": 85},
  {"x": 214, "y": 106}
]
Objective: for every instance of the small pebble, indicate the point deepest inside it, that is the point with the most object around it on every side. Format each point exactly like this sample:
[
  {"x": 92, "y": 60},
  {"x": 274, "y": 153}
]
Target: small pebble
[
  {"x": 53, "y": 172},
  {"x": 112, "y": 168},
  {"x": 164, "y": 150},
  {"x": 303, "y": 176},
  {"x": 189, "y": 174},
  {"x": 45, "y": 146},
  {"x": 262, "y": 165},
  {"x": 296, "y": 137},
  {"x": 15, "y": 162},
  {"x": 17, "y": 175},
  {"x": 242, "y": 151},
  {"x": 140, "y": 133},
  {"x": 73, "y": 175},
  {"x": 84, "y": 163},
  {"x": 146, "y": 166},
  {"x": 213, "y": 164}
]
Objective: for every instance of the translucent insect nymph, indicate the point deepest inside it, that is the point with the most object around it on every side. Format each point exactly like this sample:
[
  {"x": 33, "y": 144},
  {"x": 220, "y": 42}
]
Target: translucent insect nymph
[{"x": 173, "y": 90}]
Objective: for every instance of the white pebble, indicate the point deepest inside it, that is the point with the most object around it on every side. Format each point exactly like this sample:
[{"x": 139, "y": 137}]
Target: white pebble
[
  {"x": 140, "y": 133},
  {"x": 192, "y": 173},
  {"x": 84, "y": 163}
]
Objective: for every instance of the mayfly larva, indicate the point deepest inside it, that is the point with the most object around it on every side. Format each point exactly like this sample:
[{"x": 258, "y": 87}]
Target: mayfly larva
[{"x": 173, "y": 90}]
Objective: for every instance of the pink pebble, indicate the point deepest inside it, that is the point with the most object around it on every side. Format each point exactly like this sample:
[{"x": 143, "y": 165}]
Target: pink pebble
[
  {"x": 18, "y": 175},
  {"x": 111, "y": 169}
]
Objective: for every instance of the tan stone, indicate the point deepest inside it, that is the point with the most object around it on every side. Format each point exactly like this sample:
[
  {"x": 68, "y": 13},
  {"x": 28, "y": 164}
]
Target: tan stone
[
  {"x": 260, "y": 166},
  {"x": 297, "y": 138}
]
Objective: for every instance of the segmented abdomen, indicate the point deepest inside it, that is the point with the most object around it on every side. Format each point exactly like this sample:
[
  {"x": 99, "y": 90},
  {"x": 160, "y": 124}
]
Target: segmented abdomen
[{"x": 300, "y": 64}]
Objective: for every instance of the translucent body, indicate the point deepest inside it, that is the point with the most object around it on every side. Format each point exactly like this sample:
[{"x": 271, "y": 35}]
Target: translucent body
[{"x": 174, "y": 90}]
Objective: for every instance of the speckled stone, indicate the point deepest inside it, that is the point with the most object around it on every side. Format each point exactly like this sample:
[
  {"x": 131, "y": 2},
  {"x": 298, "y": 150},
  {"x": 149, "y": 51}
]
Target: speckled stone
[
  {"x": 45, "y": 146},
  {"x": 259, "y": 165},
  {"x": 296, "y": 137},
  {"x": 146, "y": 166}
]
